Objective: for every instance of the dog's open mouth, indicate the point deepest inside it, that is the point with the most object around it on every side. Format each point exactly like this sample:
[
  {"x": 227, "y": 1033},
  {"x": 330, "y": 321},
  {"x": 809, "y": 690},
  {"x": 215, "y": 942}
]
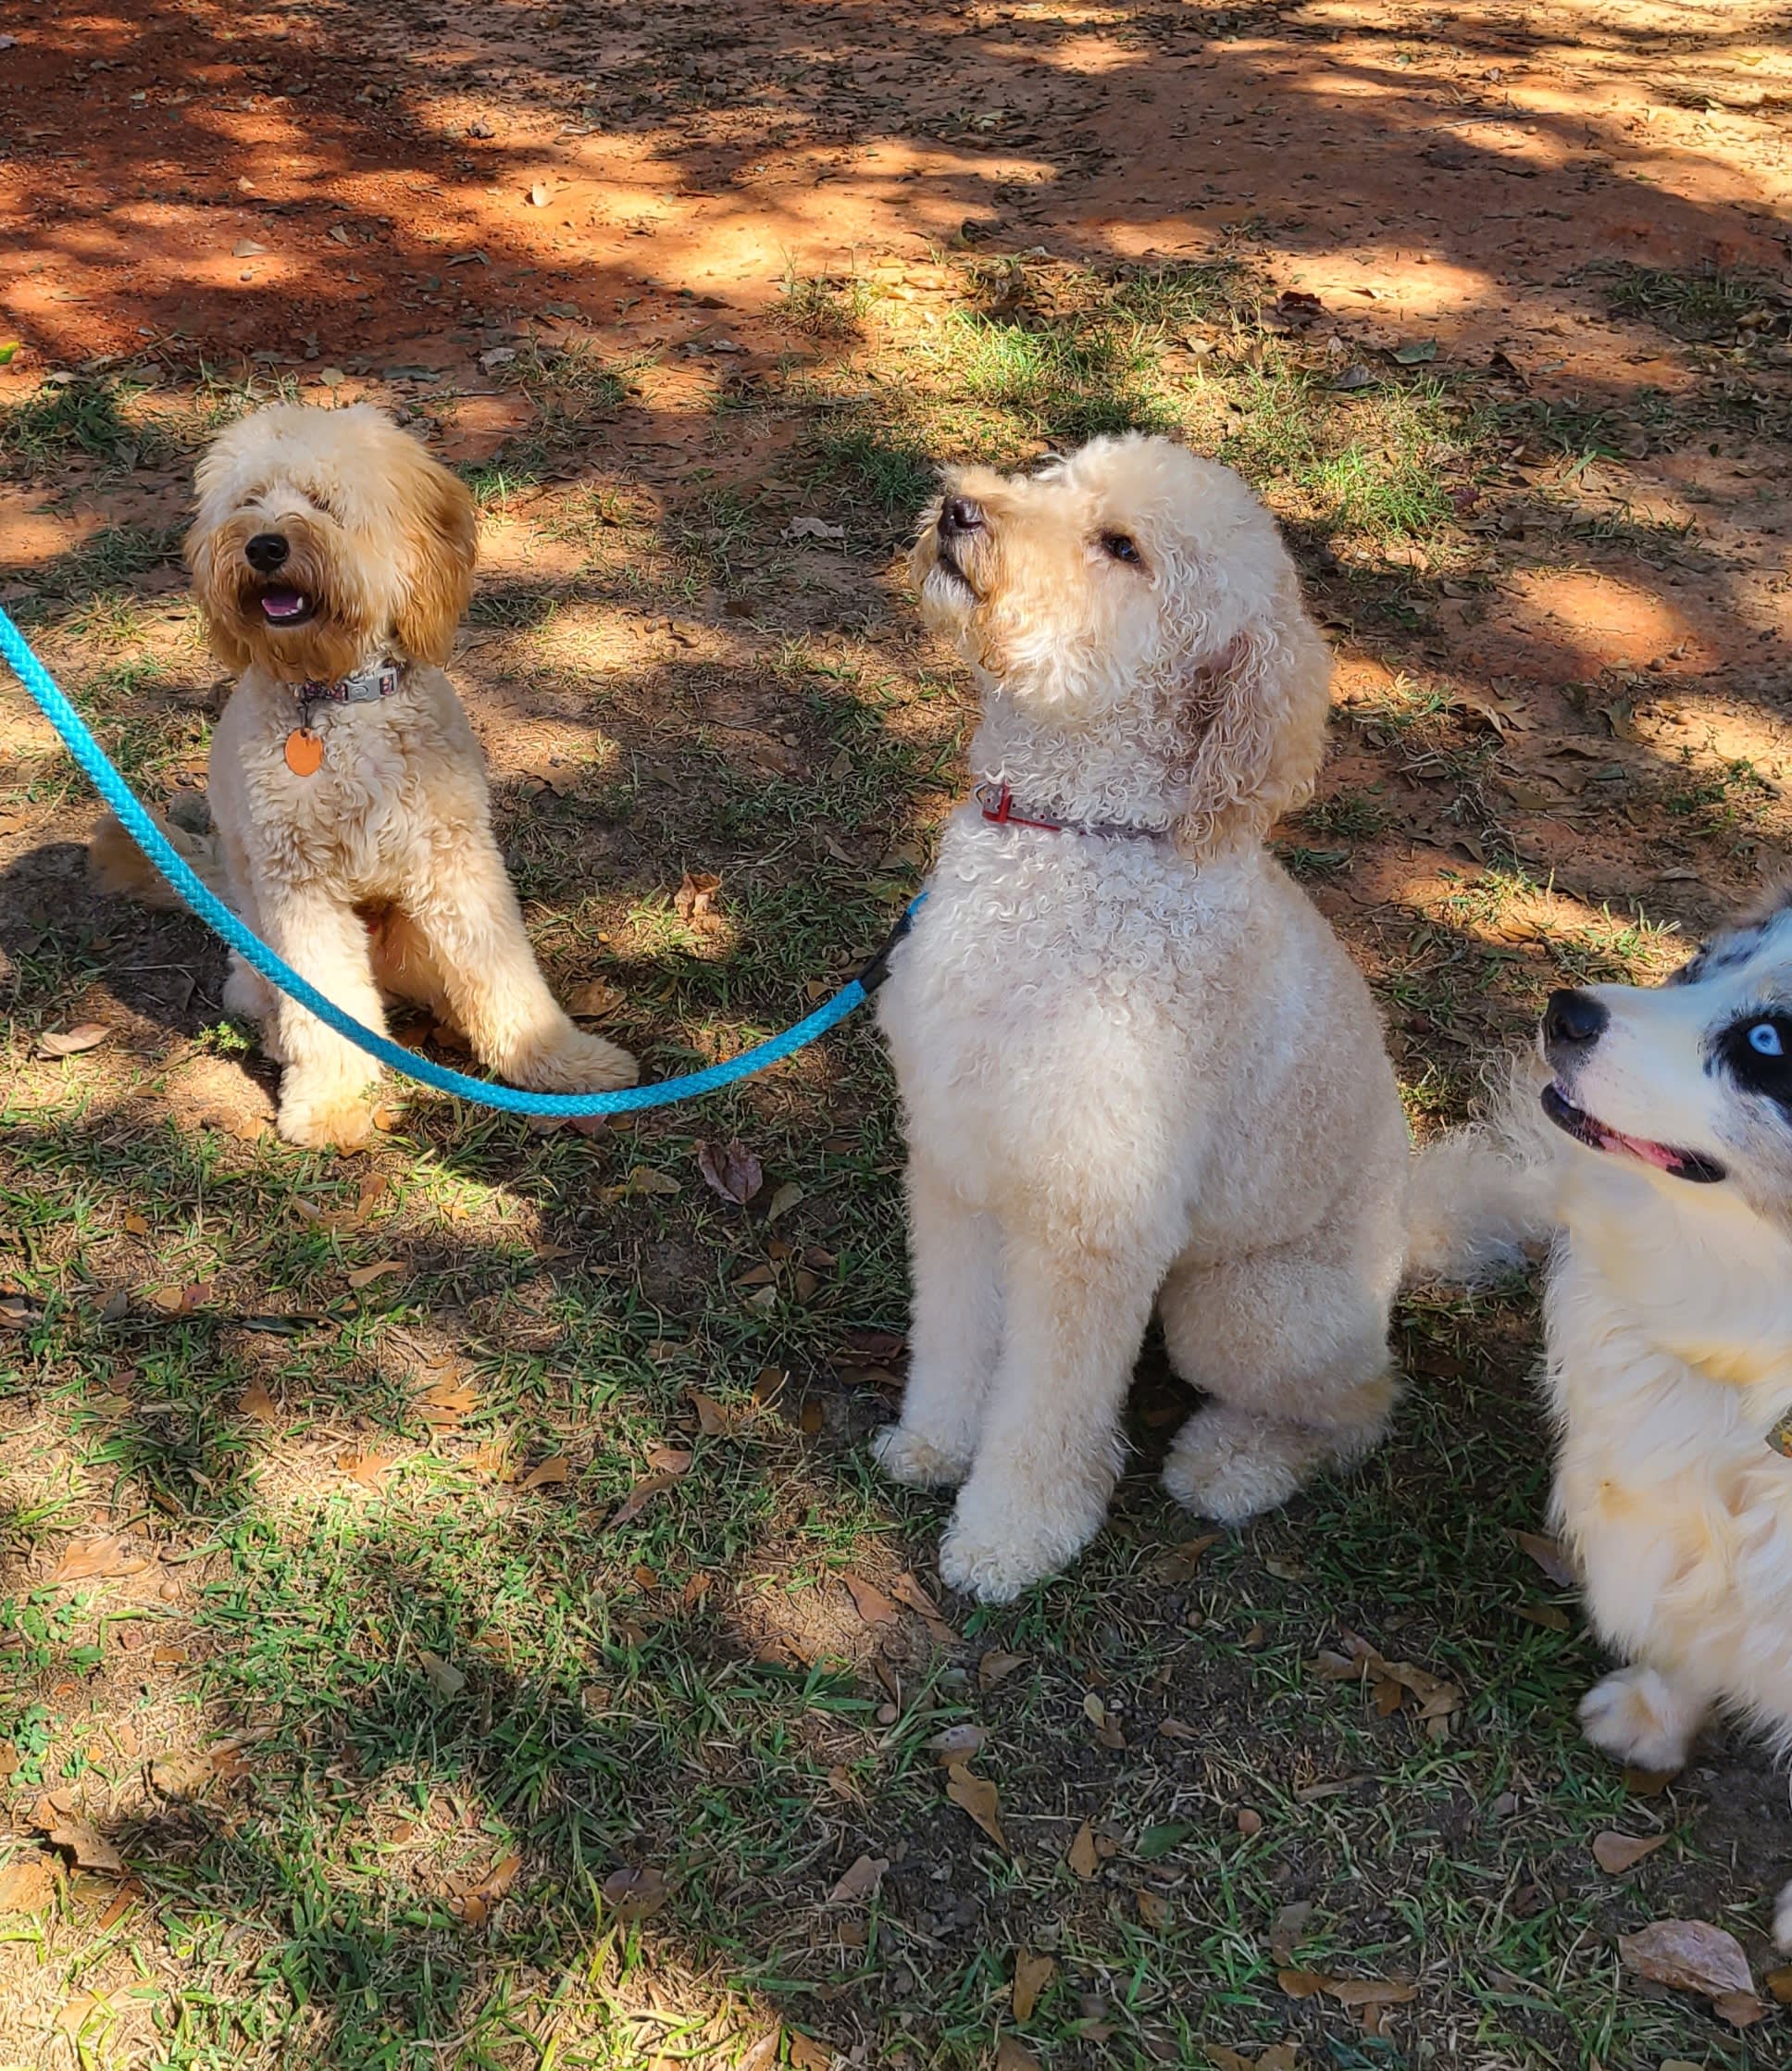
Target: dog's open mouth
[
  {"x": 1585, "y": 1128},
  {"x": 947, "y": 566},
  {"x": 285, "y": 608}
]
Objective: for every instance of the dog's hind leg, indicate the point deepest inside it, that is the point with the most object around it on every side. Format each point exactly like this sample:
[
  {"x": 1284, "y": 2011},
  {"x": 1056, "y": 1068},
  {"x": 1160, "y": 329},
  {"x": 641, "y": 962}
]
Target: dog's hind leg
[
  {"x": 954, "y": 1337},
  {"x": 1051, "y": 1448},
  {"x": 1294, "y": 1345},
  {"x": 325, "y": 1096},
  {"x": 466, "y": 909}
]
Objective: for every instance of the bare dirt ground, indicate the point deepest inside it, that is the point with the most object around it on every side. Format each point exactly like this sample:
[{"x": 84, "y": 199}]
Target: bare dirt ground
[{"x": 355, "y": 1716}]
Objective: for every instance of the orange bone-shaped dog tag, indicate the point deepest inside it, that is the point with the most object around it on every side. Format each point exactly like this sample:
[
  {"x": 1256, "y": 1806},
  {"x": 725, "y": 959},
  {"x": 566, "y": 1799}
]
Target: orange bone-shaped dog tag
[{"x": 304, "y": 752}]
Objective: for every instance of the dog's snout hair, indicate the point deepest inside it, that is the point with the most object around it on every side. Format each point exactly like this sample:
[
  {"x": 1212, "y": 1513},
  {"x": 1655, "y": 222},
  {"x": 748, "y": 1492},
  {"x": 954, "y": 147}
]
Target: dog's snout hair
[
  {"x": 1135, "y": 608},
  {"x": 344, "y": 512}
]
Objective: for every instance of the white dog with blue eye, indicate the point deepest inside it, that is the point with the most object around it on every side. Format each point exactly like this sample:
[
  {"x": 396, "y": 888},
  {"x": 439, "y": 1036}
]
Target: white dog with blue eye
[{"x": 1669, "y": 1321}]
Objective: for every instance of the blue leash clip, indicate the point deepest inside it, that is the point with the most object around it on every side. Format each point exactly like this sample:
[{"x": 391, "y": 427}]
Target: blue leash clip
[{"x": 78, "y": 739}]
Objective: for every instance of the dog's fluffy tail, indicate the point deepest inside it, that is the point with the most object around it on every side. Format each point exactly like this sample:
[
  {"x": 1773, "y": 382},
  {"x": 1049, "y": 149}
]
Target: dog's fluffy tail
[
  {"x": 118, "y": 866},
  {"x": 1483, "y": 1199}
]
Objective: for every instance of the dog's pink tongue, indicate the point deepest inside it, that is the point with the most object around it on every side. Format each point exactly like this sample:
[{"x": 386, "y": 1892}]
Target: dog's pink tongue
[
  {"x": 1656, "y": 1154},
  {"x": 281, "y": 603}
]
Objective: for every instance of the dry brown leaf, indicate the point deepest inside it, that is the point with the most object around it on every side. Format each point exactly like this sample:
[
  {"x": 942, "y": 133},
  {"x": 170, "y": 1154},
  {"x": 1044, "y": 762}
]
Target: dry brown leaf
[
  {"x": 365, "y": 1276},
  {"x": 1287, "y": 1929},
  {"x": 369, "y": 1469},
  {"x": 1032, "y": 1975},
  {"x": 1779, "y": 1982},
  {"x": 593, "y": 999},
  {"x": 1279, "y": 2056},
  {"x": 70, "y": 1042},
  {"x": 442, "y": 1677},
  {"x": 26, "y": 1885},
  {"x": 808, "y": 2054},
  {"x": 1179, "y": 1563},
  {"x": 550, "y": 1474},
  {"x": 996, "y": 1667},
  {"x": 1548, "y": 1555},
  {"x": 448, "y": 1404},
  {"x": 125, "y": 1896},
  {"x": 763, "y": 2054},
  {"x": 861, "y": 1882},
  {"x": 1156, "y": 1912},
  {"x": 957, "y": 1744},
  {"x": 255, "y": 1401},
  {"x": 696, "y": 895},
  {"x": 1081, "y": 1856},
  {"x": 639, "y": 1497},
  {"x": 1177, "y": 1729},
  {"x": 713, "y": 1419},
  {"x": 634, "y": 1893},
  {"x": 731, "y": 1170},
  {"x": 84, "y": 1844},
  {"x": 1692, "y": 1957},
  {"x": 1301, "y": 1984},
  {"x": 670, "y": 1459},
  {"x": 136, "y": 1225},
  {"x": 906, "y": 1590},
  {"x": 978, "y": 1797},
  {"x": 88, "y": 1559},
  {"x": 1617, "y": 1852},
  {"x": 1016, "y": 2056},
  {"x": 1369, "y": 1991}
]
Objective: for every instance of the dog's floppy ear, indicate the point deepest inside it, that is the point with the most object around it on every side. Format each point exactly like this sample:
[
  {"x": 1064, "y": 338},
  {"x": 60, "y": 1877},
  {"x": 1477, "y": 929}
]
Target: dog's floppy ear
[
  {"x": 200, "y": 549},
  {"x": 440, "y": 524},
  {"x": 1261, "y": 706}
]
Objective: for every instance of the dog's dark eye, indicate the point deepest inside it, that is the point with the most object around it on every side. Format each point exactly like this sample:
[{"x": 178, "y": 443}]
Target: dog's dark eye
[
  {"x": 1764, "y": 1040},
  {"x": 1119, "y": 547}
]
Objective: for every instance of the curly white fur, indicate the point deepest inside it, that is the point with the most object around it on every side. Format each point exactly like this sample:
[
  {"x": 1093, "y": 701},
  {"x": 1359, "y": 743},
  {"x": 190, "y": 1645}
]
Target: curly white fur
[
  {"x": 379, "y": 872},
  {"x": 1135, "y": 1070}
]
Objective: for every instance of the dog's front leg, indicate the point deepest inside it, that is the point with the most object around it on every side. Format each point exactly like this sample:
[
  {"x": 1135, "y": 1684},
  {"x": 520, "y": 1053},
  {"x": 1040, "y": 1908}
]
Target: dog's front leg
[
  {"x": 466, "y": 908},
  {"x": 954, "y": 1337},
  {"x": 1051, "y": 1448},
  {"x": 327, "y": 1088}
]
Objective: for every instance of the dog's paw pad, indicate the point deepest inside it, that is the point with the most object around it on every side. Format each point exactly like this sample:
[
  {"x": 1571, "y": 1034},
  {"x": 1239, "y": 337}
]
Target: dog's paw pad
[
  {"x": 906, "y": 1455},
  {"x": 1637, "y": 1716},
  {"x": 1219, "y": 1472}
]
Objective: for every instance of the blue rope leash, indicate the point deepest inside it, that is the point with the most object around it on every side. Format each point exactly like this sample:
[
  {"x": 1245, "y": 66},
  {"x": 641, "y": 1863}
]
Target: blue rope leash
[{"x": 81, "y": 743}]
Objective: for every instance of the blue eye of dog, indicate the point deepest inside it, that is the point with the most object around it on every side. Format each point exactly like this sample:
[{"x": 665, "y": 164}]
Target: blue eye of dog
[
  {"x": 1764, "y": 1040},
  {"x": 1119, "y": 547}
]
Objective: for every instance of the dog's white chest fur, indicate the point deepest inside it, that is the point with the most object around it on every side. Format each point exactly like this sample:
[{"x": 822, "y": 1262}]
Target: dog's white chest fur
[{"x": 1670, "y": 1335}]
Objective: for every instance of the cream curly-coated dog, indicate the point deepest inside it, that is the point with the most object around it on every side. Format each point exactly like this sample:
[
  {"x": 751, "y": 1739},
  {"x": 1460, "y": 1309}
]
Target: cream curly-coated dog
[
  {"x": 333, "y": 558},
  {"x": 1137, "y": 1066},
  {"x": 1669, "y": 1329}
]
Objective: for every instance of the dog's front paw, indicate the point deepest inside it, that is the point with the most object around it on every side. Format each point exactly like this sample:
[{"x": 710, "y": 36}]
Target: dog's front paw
[
  {"x": 910, "y": 1456},
  {"x": 1640, "y": 1716},
  {"x": 576, "y": 1062},
  {"x": 1001, "y": 1541},
  {"x": 327, "y": 1122},
  {"x": 1230, "y": 1466},
  {"x": 248, "y": 996}
]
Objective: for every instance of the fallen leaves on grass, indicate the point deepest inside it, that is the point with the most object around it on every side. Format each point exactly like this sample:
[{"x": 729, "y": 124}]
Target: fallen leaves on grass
[
  {"x": 1617, "y": 1852},
  {"x": 181, "y": 1300},
  {"x": 996, "y": 1667},
  {"x": 472, "y": 1903},
  {"x": 642, "y": 1179},
  {"x": 1153, "y": 1912},
  {"x": 1393, "y": 1682},
  {"x": 1081, "y": 1856},
  {"x": 1694, "y": 1957},
  {"x": 978, "y": 1797},
  {"x": 906, "y": 1590},
  {"x": 957, "y": 1744},
  {"x": 869, "y": 1602},
  {"x": 861, "y": 1882},
  {"x": 70, "y": 1042},
  {"x": 369, "y": 1469},
  {"x": 446, "y": 1406},
  {"x": 807, "y": 2055},
  {"x": 730, "y": 1170},
  {"x": 1016, "y": 2056},
  {"x": 255, "y": 1401},
  {"x": 1178, "y": 1564},
  {"x": 26, "y": 1885},
  {"x": 1287, "y": 1930},
  {"x": 593, "y": 999},
  {"x": 553, "y": 1473},
  {"x": 365, "y": 1276},
  {"x": 89, "y": 1850},
  {"x": 442, "y": 1677},
  {"x": 1279, "y": 2056},
  {"x": 1548, "y": 1555},
  {"x": 694, "y": 902},
  {"x": 1779, "y": 1982},
  {"x": 634, "y": 1893},
  {"x": 639, "y": 1497},
  {"x": 1033, "y": 1976},
  {"x": 87, "y": 1560}
]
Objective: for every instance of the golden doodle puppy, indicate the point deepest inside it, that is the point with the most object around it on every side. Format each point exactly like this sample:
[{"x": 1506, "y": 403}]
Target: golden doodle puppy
[
  {"x": 1137, "y": 1066},
  {"x": 333, "y": 558}
]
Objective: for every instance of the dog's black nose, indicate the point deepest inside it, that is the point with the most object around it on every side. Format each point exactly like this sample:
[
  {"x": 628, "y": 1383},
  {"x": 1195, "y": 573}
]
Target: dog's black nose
[
  {"x": 1572, "y": 1020},
  {"x": 267, "y": 550},
  {"x": 958, "y": 514}
]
